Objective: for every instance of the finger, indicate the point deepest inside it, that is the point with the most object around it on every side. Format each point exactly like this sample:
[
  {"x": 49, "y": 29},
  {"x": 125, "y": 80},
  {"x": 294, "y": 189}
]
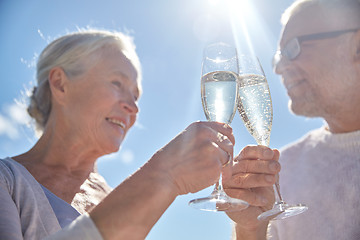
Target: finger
[
  {"x": 251, "y": 180},
  {"x": 219, "y": 135},
  {"x": 222, "y": 128},
  {"x": 256, "y": 197},
  {"x": 256, "y": 166},
  {"x": 224, "y": 143},
  {"x": 227, "y": 169},
  {"x": 276, "y": 155},
  {"x": 224, "y": 153},
  {"x": 250, "y": 152},
  {"x": 256, "y": 152},
  {"x": 226, "y": 146},
  {"x": 228, "y": 162}
]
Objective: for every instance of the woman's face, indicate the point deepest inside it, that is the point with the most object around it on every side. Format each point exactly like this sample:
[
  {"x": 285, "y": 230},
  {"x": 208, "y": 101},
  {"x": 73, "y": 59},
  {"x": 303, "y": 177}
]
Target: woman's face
[{"x": 102, "y": 103}]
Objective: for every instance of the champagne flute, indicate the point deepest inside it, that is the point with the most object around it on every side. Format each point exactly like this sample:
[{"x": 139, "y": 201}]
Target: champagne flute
[
  {"x": 255, "y": 108},
  {"x": 219, "y": 99}
]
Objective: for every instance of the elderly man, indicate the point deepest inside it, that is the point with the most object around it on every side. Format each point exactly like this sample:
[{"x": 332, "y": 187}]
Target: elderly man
[{"x": 319, "y": 61}]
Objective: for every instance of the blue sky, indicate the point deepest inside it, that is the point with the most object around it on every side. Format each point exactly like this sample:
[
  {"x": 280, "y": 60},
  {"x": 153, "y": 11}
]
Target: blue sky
[{"x": 170, "y": 36}]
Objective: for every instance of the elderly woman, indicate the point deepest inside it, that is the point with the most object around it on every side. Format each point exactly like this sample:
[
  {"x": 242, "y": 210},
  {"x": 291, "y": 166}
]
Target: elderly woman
[{"x": 84, "y": 104}]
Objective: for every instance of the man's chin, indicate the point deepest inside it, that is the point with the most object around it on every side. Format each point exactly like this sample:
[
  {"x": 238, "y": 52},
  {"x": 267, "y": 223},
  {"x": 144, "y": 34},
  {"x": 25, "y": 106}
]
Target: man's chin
[{"x": 301, "y": 110}]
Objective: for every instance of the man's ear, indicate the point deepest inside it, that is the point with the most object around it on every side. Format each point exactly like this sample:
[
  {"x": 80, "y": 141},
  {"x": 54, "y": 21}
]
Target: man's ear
[{"x": 57, "y": 83}]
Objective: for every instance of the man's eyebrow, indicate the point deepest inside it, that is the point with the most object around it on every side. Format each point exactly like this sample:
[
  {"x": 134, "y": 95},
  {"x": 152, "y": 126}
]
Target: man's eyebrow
[{"x": 119, "y": 73}]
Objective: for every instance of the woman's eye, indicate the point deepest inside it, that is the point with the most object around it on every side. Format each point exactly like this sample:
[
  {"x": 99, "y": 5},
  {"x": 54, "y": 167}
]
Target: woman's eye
[{"x": 117, "y": 83}]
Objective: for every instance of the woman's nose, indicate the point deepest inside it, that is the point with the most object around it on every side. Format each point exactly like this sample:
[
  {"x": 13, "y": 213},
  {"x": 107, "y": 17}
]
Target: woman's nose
[{"x": 130, "y": 106}]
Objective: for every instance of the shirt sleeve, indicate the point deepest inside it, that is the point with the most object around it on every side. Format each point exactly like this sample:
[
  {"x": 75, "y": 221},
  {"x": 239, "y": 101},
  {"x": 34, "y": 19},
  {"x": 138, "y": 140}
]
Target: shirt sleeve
[
  {"x": 82, "y": 228},
  {"x": 272, "y": 232},
  {"x": 10, "y": 224}
]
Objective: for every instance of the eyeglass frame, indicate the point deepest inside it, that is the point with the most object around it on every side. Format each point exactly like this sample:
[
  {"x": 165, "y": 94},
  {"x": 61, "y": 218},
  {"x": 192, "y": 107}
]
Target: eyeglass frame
[{"x": 294, "y": 43}]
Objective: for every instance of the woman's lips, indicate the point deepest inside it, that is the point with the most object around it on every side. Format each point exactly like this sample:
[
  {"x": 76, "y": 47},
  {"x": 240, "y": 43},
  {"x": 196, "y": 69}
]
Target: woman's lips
[{"x": 117, "y": 122}]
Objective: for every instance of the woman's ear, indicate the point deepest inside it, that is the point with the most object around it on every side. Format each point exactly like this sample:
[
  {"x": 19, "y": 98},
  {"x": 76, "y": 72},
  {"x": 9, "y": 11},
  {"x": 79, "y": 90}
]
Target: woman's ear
[{"x": 57, "y": 83}]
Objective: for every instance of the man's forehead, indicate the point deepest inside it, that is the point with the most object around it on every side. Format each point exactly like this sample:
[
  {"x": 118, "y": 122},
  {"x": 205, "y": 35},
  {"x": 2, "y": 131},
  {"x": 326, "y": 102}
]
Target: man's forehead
[{"x": 316, "y": 19}]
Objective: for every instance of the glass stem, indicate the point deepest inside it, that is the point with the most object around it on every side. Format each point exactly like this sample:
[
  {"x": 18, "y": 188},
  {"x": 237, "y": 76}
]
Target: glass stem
[
  {"x": 218, "y": 186},
  {"x": 278, "y": 196}
]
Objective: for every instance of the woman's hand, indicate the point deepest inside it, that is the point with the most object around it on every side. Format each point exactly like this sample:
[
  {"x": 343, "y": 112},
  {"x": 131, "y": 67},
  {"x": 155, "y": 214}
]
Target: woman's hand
[
  {"x": 254, "y": 172},
  {"x": 190, "y": 162},
  {"x": 193, "y": 160}
]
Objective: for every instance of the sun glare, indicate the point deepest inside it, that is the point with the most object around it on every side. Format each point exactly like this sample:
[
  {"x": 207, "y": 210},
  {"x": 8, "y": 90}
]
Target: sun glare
[
  {"x": 219, "y": 105},
  {"x": 214, "y": 2},
  {"x": 241, "y": 13},
  {"x": 240, "y": 6}
]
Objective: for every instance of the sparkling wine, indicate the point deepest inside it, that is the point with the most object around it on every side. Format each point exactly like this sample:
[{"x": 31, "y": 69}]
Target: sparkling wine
[
  {"x": 219, "y": 95},
  {"x": 255, "y": 107}
]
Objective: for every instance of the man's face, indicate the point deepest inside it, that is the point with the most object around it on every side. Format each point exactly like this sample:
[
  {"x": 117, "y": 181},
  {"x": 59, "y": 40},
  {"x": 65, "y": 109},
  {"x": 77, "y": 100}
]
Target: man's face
[{"x": 322, "y": 76}]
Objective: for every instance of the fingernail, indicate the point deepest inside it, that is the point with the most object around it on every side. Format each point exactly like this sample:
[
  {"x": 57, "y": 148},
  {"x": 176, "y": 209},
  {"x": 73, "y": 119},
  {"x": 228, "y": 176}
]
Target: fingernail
[
  {"x": 263, "y": 200},
  {"x": 273, "y": 167}
]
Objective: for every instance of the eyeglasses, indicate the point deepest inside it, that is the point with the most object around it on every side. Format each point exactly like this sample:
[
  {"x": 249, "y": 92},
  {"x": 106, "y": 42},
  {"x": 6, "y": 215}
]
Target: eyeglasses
[{"x": 292, "y": 48}]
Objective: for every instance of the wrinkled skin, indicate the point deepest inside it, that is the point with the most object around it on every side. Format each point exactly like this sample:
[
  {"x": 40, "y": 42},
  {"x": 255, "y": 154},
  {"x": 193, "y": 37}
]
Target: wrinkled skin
[
  {"x": 254, "y": 172},
  {"x": 193, "y": 160}
]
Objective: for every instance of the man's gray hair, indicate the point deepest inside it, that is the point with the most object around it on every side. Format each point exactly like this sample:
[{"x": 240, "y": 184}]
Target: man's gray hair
[{"x": 299, "y": 5}]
